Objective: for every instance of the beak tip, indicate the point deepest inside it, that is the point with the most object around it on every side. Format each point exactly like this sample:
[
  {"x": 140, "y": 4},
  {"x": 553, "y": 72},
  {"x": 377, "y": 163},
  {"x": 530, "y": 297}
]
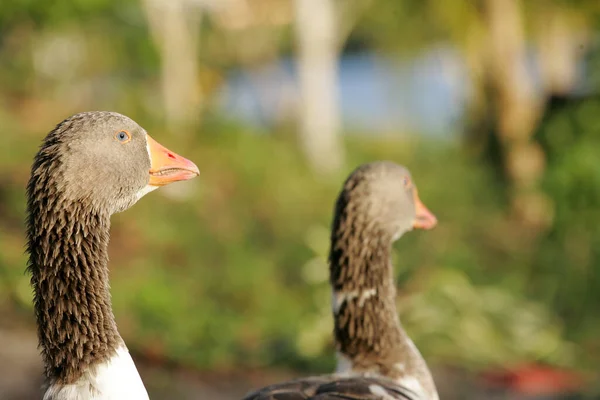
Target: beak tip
[
  {"x": 425, "y": 223},
  {"x": 196, "y": 170},
  {"x": 424, "y": 219}
]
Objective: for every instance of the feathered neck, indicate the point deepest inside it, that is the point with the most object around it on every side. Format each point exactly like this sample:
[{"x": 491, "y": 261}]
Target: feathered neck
[
  {"x": 366, "y": 323},
  {"x": 68, "y": 258},
  {"x": 368, "y": 333}
]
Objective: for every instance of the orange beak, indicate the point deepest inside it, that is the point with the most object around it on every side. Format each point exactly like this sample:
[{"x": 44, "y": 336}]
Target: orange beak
[
  {"x": 424, "y": 218},
  {"x": 168, "y": 167}
]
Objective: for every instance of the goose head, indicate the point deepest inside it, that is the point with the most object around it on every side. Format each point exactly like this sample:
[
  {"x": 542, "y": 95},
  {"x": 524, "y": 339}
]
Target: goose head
[
  {"x": 106, "y": 161},
  {"x": 384, "y": 195}
]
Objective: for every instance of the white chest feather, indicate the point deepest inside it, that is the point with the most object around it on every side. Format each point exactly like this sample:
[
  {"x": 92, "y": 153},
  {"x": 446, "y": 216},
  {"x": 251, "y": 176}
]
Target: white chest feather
[
  {"x": 344, "y": 364},
  {"x": 116, "y": 379},
  {"x": 414, "y": 385}
]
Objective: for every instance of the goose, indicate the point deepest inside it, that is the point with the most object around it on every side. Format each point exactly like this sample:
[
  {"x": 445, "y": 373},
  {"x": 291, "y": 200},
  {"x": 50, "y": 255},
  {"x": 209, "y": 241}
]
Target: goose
[
  {"x": 375, "y": 357},
  {"x": 90, "y": 166}
]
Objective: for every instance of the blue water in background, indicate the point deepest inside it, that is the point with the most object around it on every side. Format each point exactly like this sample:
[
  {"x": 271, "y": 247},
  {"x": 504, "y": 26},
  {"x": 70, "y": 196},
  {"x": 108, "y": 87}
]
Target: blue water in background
[{"x": 426, "y": 93}]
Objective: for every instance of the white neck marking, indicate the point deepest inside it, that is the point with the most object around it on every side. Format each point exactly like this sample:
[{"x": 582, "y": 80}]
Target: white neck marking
[
  {"x": 147, "y": 189},
  {"x": 116, "y": 379},
  {"x": 340, "y": 297}
]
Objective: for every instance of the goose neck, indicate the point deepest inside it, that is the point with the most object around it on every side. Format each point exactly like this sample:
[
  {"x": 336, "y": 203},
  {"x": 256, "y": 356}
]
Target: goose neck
[
  {"x": 68, "y": 261},
  {"x": 363, "y": 292},
  {"x": 368, "y": 334}
]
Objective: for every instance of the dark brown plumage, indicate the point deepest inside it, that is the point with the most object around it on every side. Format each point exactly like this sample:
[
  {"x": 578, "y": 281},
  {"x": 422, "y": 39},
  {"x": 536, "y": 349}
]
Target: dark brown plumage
[
  {"x": 90, "y": 166},
  {"x": 377, "y": 204}
]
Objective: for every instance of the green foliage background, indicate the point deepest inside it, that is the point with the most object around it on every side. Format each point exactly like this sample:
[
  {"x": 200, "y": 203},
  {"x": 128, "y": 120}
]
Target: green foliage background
[{"x": 235, "y": 273}]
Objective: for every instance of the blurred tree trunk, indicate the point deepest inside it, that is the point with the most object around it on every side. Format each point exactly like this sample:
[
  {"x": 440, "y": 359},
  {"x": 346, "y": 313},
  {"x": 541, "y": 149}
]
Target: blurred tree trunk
[
  {"x": 175, "y": 25},
  {"x": 318, "y": 50},
  {"x": 559, "y": 49},
  {"x": 518, "y": 109},
  {"x": 507, "y": 98}
]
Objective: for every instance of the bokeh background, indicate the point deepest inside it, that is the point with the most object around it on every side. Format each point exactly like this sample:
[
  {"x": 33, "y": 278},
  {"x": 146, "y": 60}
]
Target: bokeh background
[{"x": 220, "y": 284}]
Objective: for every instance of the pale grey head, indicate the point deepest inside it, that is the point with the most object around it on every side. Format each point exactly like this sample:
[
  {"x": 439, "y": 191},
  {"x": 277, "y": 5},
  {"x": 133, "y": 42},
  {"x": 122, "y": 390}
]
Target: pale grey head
[
  {"x": 384, "y": 195},
  {"x": 105, "y": 160}
]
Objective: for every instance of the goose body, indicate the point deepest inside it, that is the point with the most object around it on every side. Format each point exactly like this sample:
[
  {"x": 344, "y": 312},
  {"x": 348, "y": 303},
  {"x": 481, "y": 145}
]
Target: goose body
[
  {"x": 89, "y": 167},
  {"x": 376, "y": 358}
]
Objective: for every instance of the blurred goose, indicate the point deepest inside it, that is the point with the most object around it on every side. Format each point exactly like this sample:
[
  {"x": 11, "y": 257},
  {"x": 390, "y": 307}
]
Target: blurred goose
[
  {"x": 376, "y": 358},
  {"x": 92, "y": 165}
]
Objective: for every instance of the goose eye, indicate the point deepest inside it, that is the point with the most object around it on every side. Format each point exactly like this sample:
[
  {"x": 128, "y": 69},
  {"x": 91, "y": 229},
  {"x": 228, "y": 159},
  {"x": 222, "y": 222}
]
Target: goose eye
[
  {"x": 406, "y": 181},
  {"x": 123, "y": 136}
]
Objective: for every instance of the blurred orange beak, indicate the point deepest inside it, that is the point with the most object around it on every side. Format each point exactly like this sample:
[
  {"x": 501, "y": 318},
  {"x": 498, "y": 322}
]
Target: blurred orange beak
[
  {"x": 168, "y": 167},
  {"x": 424, "y": 218}
]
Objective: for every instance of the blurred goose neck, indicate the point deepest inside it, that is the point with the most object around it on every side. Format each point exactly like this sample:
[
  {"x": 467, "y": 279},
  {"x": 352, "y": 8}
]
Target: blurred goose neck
[
  {"x": 368, "y": 333},
  {"x": 366, "y": 323}
]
